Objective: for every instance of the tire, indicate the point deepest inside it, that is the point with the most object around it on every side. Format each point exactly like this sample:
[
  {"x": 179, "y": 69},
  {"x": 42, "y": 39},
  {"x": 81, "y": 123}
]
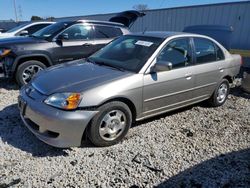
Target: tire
[
  {"x": 113, "y": 116},
  {"x": 26, "y": 69},
  {"x": 216, "y": 100}
]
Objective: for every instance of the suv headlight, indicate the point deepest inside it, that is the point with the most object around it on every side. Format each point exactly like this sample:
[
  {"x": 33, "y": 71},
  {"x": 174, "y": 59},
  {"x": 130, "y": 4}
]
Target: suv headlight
[
  {"x": 66, "y": 101},
  {"x": 4, "y": 52}
]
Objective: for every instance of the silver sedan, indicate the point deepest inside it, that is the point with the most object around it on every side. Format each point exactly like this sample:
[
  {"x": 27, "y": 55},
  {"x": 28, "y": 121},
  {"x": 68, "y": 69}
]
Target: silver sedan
[{"x": 132, "y": 78}]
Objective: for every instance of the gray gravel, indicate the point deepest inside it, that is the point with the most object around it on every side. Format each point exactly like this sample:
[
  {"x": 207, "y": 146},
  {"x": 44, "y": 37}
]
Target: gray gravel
[{"x": 193, "y": 147}]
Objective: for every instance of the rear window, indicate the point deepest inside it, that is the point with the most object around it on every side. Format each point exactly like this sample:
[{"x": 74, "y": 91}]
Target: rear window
[
  {"x": 103, "y": 32},
  {"x": 219, "y": 53}
]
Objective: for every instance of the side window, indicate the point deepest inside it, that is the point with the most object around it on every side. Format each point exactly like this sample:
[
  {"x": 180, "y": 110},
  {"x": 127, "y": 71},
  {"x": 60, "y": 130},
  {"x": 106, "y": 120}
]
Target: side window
[
  {"x": 204, "y": 50},
  {"x": 177, "y": 52},
  {"x": 103, "y": 32},
  {"x": 35, "y": 28},
  {"x": 219, "y": 53},
  {"x": 78, "y": 32}
]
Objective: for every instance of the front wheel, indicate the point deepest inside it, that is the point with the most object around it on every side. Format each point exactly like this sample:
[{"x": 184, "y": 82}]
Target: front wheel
[
  {"x": 27, "y": 70},
  {"x": 111, "y": 124},
  {"x": 220, "y": 94}
]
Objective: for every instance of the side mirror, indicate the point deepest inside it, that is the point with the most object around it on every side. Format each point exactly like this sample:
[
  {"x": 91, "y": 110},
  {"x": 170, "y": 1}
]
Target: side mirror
[
  {"x": 162, "y": 66},
  {"x": 24, "y": 33},
  {"x": 62, "y": 37}
]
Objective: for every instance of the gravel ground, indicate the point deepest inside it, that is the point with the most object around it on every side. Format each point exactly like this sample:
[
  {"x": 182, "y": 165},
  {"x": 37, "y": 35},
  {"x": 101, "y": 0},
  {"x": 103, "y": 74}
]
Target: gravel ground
[{"x": 193, "y": 147}]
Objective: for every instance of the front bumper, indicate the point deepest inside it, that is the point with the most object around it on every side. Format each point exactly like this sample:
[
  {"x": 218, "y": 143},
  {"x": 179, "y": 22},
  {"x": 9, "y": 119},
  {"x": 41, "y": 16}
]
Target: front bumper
[{"x": 53, "y": 126}]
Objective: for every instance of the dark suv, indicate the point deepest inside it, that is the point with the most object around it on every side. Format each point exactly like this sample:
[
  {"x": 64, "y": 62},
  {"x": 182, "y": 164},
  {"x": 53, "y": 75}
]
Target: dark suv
[{"x": 22, "y": 57}]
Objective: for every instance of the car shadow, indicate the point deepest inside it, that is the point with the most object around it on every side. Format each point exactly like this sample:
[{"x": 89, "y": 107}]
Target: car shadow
[
  {"x": 14, "y": 133},
  {"x": 8, "y": 84},
  {"x": 225, "y": 171},
  {"x": 238, "y": 92}
]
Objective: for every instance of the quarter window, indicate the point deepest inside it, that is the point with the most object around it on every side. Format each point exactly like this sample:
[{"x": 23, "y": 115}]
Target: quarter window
[
  {"x": 219, "y": 53},
  {"x": 204, "y": 50},
  {"x": 102, "y": 32},
  {"x": 79, "y": 32},
  {"x": 176, "y": 52}
]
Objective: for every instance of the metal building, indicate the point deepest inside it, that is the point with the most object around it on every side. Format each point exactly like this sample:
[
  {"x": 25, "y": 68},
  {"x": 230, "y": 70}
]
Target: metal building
[{"x": 235, "y": 14}]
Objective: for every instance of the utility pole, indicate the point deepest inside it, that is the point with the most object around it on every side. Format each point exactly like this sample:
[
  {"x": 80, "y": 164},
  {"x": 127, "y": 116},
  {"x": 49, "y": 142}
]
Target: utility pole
[
  {"x": 14, "y": 1},
  {"x": 20, "y": 13}
]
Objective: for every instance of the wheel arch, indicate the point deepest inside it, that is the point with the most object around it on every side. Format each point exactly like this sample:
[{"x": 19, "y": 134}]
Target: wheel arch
[
  {"x": 127, "y": 101},
  {"x": 229, "y": 78},
  {"x": 39, "y": 57}
]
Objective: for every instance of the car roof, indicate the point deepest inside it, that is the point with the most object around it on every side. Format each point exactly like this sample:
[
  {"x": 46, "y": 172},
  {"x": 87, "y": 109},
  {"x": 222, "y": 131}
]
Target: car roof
[
  {"x": 43, "y": 22},
  {"x": 165, "y": 34},
  {"x": 101, "y": 22}
]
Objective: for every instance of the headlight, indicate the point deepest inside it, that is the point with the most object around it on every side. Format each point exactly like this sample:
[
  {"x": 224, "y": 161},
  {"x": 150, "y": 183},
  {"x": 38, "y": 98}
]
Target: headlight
[
  {"x": 67, "y": 101},
  {"x": 4, "y": 52}
]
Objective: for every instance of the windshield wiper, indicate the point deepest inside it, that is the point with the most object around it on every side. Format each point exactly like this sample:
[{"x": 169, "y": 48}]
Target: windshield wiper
[
  {"x": 101, "y": 63},
  {"x": 109, "y": 65}
]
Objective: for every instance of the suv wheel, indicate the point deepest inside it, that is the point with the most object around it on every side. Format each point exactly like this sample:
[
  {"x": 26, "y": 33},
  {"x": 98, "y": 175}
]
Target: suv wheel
[
  {"x": 111, "y": 124},
  {"x": 27, "y": 70},
  {"x": 220, "y": 94}
]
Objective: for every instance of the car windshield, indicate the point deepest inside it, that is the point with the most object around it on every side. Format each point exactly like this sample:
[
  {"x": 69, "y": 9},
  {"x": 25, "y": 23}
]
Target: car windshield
[
  {"x": 50, "y": 30},
  {"x": 17, "y": 28},
  {"x": 127, "y": 52}
]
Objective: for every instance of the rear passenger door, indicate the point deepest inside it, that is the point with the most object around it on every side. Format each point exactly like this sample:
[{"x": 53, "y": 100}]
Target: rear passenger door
[
  {"x": 209, "y": 66},
  {"x": 104, "y": 34}
]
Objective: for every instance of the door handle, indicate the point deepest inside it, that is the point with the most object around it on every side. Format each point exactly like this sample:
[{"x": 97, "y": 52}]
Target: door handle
[
  {"x": 188, "y": 76},
  {"x": 87, "y": 44},
  {"x": 221, "y": 69}
]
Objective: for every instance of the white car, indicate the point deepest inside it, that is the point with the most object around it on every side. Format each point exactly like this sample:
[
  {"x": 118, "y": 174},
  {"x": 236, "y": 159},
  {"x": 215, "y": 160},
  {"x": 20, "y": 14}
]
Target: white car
[{"x": 25, "y": 29}]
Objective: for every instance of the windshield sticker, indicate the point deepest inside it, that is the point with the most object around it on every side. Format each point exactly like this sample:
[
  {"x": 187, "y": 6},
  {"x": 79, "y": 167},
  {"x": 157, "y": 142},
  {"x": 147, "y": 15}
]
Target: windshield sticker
[{"x": 144, "y": 43}]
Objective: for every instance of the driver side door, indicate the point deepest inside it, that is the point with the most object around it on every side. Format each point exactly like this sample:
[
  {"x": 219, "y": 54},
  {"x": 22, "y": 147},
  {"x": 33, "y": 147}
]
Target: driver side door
[
  {"x": 76, "y": 42},
  {"x": 167, "y": 90}
]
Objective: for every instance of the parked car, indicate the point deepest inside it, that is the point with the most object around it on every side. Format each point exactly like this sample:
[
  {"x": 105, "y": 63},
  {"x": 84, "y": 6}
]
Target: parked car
[
  {"x": 246, "y": 80},
  {"x": 132, "y": 78},
  {"x": 58, "y": 43},
  {"x": 25, "y": 29}
]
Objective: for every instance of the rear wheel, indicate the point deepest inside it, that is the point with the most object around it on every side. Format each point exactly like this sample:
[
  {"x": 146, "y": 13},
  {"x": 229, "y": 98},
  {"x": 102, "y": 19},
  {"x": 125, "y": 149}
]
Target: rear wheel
[
  {"x": 111, "y": 124},
  {"x": 27, "y": 70},
  {"x": 220, "y": 94}
]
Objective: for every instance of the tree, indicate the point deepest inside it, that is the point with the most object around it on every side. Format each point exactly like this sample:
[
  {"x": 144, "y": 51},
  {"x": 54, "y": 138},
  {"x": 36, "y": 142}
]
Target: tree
[
  {"x": 49, "y": 18},
  {"x": 141, "y": 7},
  {"x": 35, "y": 18}
]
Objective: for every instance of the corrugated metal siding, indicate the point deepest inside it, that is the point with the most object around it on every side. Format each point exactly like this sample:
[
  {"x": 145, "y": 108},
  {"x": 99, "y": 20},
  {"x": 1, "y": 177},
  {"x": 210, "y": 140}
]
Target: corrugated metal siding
[{"x": 175, "y": 19}]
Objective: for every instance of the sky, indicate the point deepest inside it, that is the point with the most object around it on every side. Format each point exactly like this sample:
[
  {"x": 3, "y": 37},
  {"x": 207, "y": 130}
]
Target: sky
[{"x": 64, "y": 8}]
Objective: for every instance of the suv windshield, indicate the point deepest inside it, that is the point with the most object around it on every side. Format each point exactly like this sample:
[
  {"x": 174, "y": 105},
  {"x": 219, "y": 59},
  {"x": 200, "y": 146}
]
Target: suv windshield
[
  {"x": 127, "y": 52},
  {"x": 17, "y": 28},
  {"x": 50, "y": 30}
]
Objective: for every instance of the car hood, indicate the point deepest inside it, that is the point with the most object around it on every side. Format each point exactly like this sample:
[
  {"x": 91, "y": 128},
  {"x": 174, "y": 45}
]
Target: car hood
[
  {"x": 127, "y": 18},
  {"x": 76, "y": 76},
  {"x": 19, "y": 40}
]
